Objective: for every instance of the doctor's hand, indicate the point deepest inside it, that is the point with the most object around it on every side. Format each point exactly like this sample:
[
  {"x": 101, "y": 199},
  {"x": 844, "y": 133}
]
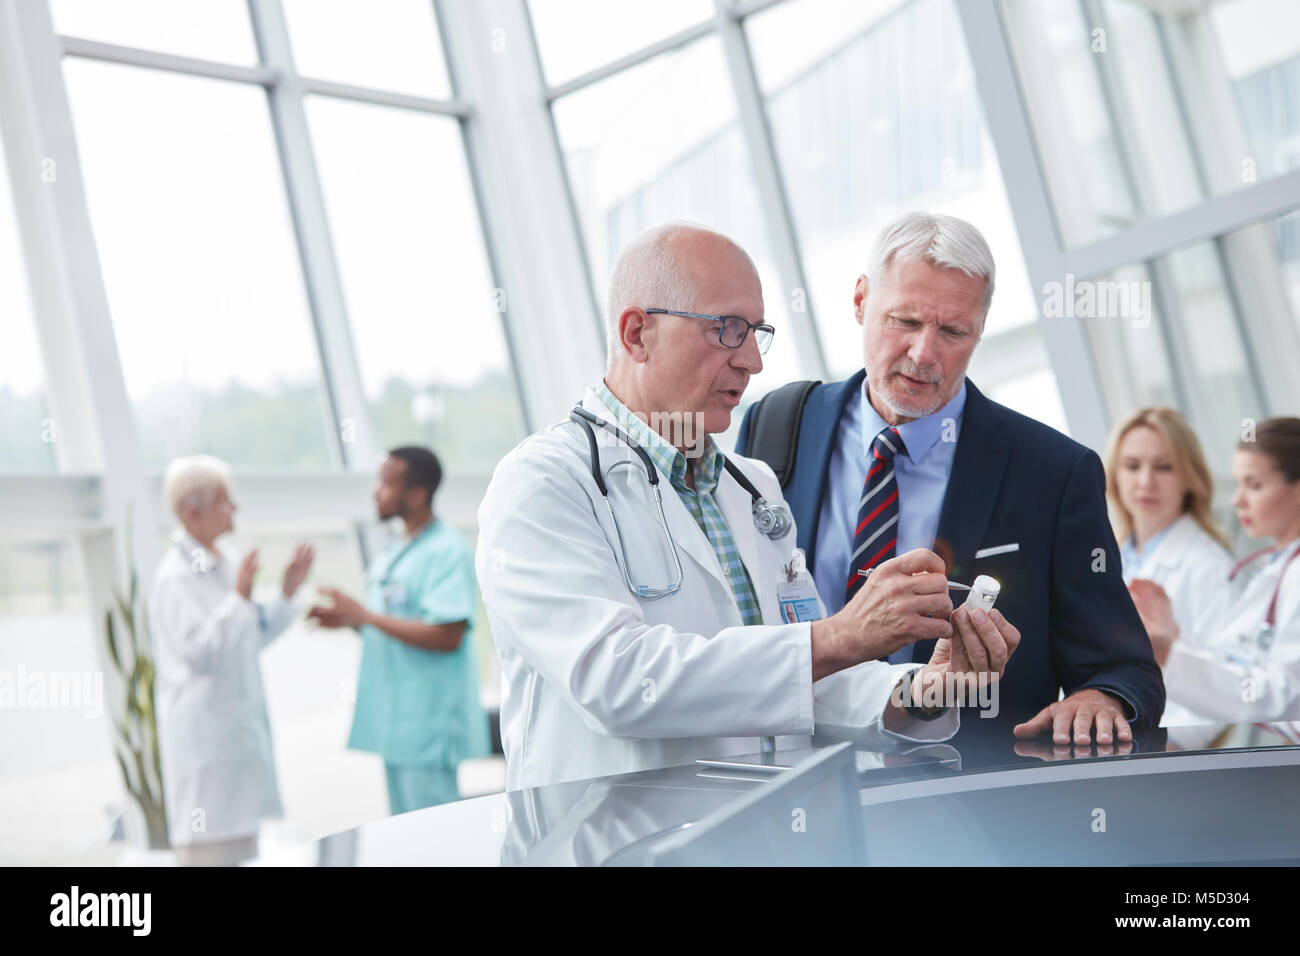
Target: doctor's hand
[
  {"x": 1157, "y": 614},
  {"x": 344, "y": 612},
  {"x": 904, "y": 600},
  {"x": 244, "y": 577},
  {"x": 297, "y": 569},
  {"x": 982, "y": 642},
  {"x": 1072, "y": 720}
]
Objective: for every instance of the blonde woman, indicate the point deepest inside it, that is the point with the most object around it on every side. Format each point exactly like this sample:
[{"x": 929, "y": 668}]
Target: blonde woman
[
  {"x": 1243, "y": 662},
  {"x": 1160, "y": 489}
]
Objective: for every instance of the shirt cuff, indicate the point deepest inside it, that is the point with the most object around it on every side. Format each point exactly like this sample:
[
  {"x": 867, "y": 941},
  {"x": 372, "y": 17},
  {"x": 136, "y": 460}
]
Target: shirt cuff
[
  {"x": 913, "y": 729},
  {"x": 275, "y": 615}
]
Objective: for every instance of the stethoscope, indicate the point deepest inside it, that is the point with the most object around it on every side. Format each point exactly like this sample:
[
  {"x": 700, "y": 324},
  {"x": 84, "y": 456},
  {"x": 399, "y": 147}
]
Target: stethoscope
[
  {"x": 775, "y": 522},
  {"x": 1270, "y": 616}
]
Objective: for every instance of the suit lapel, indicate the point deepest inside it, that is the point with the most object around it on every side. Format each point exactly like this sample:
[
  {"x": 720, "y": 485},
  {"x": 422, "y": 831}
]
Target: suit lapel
[
  {"x": 973, "y": 485},
  {"x": 972, "y": 492},
  {"x": 817, "y": 433}
]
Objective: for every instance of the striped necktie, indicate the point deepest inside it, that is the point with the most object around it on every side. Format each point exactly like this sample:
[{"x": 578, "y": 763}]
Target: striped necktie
[{"x": 876, "y": 537}]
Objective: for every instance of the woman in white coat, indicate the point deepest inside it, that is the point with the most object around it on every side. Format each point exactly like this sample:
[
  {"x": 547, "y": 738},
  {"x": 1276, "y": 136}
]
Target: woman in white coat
[
  {"x": 1160, "y": 489},
  {"x": 1243, "y": 662},
  {"x": 214, "y": 737}
]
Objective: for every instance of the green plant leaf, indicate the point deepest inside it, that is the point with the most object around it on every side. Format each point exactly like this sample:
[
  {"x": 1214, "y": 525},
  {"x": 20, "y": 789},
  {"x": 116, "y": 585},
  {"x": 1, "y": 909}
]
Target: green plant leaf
[
  {"x": 126, "y": 777},
  {"x": 124, "y": 608},
  {"x": 112, "y": 640}
]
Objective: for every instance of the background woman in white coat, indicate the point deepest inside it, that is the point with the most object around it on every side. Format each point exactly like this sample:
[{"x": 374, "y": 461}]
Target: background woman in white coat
[
  {"x": 214, "y": 737},
  {"x": 1243, "y": 663},
  {"x": 1160, "y": 490}
]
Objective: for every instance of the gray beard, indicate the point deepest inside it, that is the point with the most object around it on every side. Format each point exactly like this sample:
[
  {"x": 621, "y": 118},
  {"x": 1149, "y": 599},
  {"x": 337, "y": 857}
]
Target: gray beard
[{"x": 915, "y": 411}]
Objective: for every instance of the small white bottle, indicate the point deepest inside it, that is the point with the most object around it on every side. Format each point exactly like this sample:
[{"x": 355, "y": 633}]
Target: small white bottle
[{"x": 982, "y": 594}]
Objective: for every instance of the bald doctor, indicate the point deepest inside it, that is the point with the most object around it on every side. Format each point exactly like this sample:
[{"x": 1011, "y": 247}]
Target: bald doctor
[{"x": 631, "y": 570}]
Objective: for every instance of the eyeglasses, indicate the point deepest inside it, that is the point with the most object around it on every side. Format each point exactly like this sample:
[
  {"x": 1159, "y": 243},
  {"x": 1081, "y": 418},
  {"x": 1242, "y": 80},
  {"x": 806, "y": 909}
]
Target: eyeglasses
[{"x": 733, "y": 329}]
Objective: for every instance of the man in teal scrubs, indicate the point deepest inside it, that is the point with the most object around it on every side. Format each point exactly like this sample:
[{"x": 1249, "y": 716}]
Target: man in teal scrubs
[{"x": 417, "y": 693}]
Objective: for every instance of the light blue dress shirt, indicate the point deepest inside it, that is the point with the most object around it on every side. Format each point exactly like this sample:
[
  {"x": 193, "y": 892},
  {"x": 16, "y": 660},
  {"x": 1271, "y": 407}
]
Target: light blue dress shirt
[
  {"x": 1133, "y": 560},
  {"x": 922, "y": 476}
]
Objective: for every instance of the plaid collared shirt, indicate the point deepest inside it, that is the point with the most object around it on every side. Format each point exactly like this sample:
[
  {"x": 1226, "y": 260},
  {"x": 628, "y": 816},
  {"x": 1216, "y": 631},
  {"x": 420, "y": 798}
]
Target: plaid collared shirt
[{"x": 698, "y": 500}]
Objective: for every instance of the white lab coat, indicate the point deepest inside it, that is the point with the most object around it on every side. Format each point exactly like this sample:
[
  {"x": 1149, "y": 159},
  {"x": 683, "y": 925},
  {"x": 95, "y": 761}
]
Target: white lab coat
[
  {"x": 1202, "y": 673},
  {"x": 213, "y": 733},
  {"x": 596, "y": 681},
  {"x": 1193, "y": 570}
]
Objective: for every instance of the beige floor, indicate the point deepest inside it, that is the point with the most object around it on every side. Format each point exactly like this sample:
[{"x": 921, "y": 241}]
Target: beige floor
[{"x": 57, "y": 777}]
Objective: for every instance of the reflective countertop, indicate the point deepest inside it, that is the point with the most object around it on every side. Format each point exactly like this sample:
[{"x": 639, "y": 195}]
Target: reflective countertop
[{"x": 1173, "y": 797}]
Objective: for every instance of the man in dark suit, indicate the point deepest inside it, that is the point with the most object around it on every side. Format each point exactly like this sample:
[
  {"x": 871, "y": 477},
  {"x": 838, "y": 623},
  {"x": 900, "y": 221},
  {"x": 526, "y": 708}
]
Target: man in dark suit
[{"x": 907, "y": 453}]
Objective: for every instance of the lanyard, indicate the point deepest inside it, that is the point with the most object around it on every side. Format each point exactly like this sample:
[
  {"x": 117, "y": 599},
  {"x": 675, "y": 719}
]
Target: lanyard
[{"x": 1270, "y": 616}]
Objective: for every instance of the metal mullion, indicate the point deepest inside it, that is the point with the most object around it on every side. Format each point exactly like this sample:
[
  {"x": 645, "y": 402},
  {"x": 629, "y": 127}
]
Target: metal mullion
[
  {"x": 1117, "y": 112},
  {"x": 469, "y": 141},
  {"x": 1169, "y": 319},
  {"x": 153, "y": 59},
  {"x": 341, "y": 385},
  {"x": 1246, "y": 280},
  {"x": 1197, "y": 157},
  {"x": 1182, "y": 369},
  {"x": 365, "y": 94},
  {"x": 570, "y": 200},
  {"x": 1249, "y": 344},
  {"x": 1007, "y": 120},
  {"x": 1217, "y": 216},
  {"x": 525, "y": 205},
  {"x": 741, "y": 9},
  {"x": 97, "y": 427},
  {"x": 341, "y": 378},
  {"x": 782, "y": 236},
  {"x": 666, "y": 45}
]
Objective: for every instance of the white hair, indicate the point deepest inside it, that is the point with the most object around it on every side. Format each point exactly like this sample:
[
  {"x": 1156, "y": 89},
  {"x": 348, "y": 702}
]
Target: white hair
[
  {"x": 193, "y": 482},
  {"x": 649, "y": 275},
  {"x": 943, "y": 241}
]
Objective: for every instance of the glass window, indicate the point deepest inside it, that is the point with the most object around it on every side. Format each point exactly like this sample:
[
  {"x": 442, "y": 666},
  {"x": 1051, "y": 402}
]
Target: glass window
[
  {"x": 200, "y": 266},
  {"x": 1127, "y": 325},
  {"x": 388, "y": 44},
  {"x": 577, "y": 36},
  {"x": 205, "y": 29},
  {"x": 660, "y": 141},
  {"x": 1150, "y": 108},
  {"x": 27, "y": 432},
  {"x": 1124, "y": 325},
  {"x": 883, "y": 120},
  {"x": 1066, "y": 103},
  {"x": 1286, "y": 239},
  {"x": 1035, "y": 394},
  {"x": 1162, "y": 157},
  {"x": 426, "y": 318},
  {"x": 1219, "y": 362},
  {"x": 874, "y": 113},
  {"x": 1260, "y": 44}
]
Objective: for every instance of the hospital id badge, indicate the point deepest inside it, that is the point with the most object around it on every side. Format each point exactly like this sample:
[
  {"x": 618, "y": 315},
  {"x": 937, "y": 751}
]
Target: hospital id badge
[
  {"x": 797, "y": 593},
  {"x": 394, "y": 597}
]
